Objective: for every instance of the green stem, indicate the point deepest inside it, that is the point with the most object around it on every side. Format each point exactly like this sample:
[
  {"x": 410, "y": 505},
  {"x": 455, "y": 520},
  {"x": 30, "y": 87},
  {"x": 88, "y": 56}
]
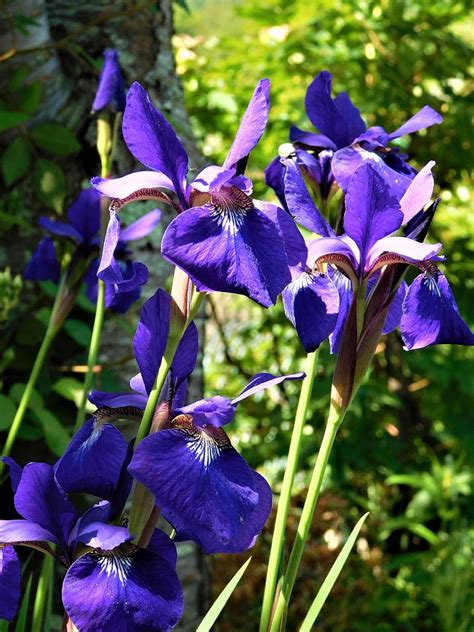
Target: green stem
[
  {"x": 41, "y": 597},
  {"x": 286, "y": 489},
  {"x": 93, "y": 351},
  {"x": 332, "y": 426}
]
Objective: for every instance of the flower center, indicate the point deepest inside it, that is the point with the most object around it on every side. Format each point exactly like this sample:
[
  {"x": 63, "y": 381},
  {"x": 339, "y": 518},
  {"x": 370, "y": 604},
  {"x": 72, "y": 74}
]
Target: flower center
[{"x": 228, "y": 207}]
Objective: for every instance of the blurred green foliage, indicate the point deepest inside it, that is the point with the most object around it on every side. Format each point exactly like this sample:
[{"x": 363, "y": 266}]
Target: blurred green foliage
[{"x": 406, "y": 451}]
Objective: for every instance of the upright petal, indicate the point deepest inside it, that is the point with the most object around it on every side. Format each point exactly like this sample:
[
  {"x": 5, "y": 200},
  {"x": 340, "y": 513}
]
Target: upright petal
[
  {"x": 15, "y": 471},
  {"x": 344, "y": 288},
  {"x": 40, "y": 499},
  {"x": 91, "y": 529},
  {"x": 110, "y": 90},
  {"x": 204, "y": 488},
  {"x": 252, "y": 124},
  {"x": 93, "y": 460},
  {"x": 215, "y": 411},
  {"x": 426, "y": 117},
  {"x": 239, "y": 251},
  {"x": 126, "y": 590},
  {"x": 274, "y": 178},
  {"x": 431, "y": 316},
  {"x": 10, "y": 576},
  {"x": 372, "y": 211},
  {"x": 300, "y": 203},
  {"x": 43, "y": 265},
  {"x": 152, "y": 140},
  {"x": 418, "y": 193},
  {"x": 311, "y": 304},
  {"x": 84, "y": 214},
  {"x": 336, "y": 118},
  {"x": 261, "y": 381}
]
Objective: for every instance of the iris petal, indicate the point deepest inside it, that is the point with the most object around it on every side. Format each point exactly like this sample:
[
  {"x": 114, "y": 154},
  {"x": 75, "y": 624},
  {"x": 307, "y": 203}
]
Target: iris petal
[{"x": 10, "y": 577}]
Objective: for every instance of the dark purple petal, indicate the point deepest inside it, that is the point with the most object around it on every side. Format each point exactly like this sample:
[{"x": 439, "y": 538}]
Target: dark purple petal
[
  {"x": 161, "y": 544},
  {"x": 10, "y": 579},
  {"x": 252, "y": 124},
  {"x": 152, "y": 140},
  {"x": 418, "y": 193},
  {"x": 110, "y": 90},
  {"x": 20, "y": 531},
  {"x": 431, "y": 316},
  {"x": 300, "y": 203},
  {"x": 93, "y": 460},
  {"x": 311, "y": 139},
  {"x": 346, "y": 161},
  {"x": 311, "y": 303},
  {"x": 372, "y": 211},
  {"x": 214, "y": 411},
  {"x": 39, "y": 499},
  {"x": 84, "y": 214},
  {"x": 344, "y": 288},
  {"x": 274, "y": 174},
  {"x": 395, "y": 310},
  {"x": 295, "y": 247},
  {"x": 239, "y": 251},
  {"x": 15, "y": 471},
  {"x": 60, "y": 229},
  {"x": 426, "y": 117},
  {"x": 203, "y": 486},
  {"x": 127, "y": 589},
  {"x": 117, "y": 300},
  {"x": 336, "y": 118},
  {"x": 141, "y": 227},
  {"x": 43, "y": 265},
  {"x": 261, "y": 381}
]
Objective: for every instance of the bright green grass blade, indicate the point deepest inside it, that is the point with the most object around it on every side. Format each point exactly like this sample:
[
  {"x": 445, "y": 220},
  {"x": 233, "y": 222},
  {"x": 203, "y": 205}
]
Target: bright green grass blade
[
  {"x": 22, "y": 615},
  {"x": 217, "y": 607},
  {"x": 42, "y": 588},
  {"x": 331, "y": 578}
]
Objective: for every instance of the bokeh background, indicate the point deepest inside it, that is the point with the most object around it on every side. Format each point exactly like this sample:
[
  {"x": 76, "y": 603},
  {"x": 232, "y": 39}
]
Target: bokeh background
[{"x": 406, "y": 450}]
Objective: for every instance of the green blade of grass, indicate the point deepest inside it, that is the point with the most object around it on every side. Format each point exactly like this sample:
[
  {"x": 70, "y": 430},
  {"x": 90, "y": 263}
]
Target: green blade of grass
[
  {"x": 217, "y": 607},
  {"x": 25, "y": 603},
  {"x": 331, "y": 578}
]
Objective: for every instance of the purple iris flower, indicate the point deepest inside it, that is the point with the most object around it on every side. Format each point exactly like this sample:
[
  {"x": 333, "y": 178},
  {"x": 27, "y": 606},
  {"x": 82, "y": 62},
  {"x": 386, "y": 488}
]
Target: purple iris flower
[
  {"x": 110, "y": 90},
  {"x": 222, "y": 238},
  {"x": 202, "y": 486},
  {"x": 82, "y": 229},
  {"x": 318, "y": 300},
  {"x": 345, "y": 140},
  {"x": 110, "y": 583}
]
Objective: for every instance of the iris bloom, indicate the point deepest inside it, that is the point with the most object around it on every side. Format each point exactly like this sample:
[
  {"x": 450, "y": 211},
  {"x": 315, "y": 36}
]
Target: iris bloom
[
  {"x": 344, "y": 142},
  {"x": 202, "y": 486},
  {"x": 82, "y": 229},
  {"x": 110, "y": 583},
  {"x": 318, "y": 300},
  {"x": 222, "y": 238},
  {"x": 110, "y": 90}
]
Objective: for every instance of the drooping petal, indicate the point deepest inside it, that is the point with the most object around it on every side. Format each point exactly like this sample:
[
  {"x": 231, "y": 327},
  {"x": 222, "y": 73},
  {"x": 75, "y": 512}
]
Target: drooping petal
[
  {"x": 337, "y": 118},
  {"x": 252, "y": 124},
  {"x": 344, "y": 288},
  {"x": 300, "y": 203},
  {"x": 43, "y": 265},
  {"x": 311, "y": 139},
  {"x": 426, "y": 117},
  {"x": 203, "y": 486},
  {"x": 346, "y": 161},
  {"x": 311, "y": 304},
  {"x": 215, "y": 411},
  {"x": 41, "y": 500},
  {"x": 103, "y": 399},
  {"x": 239, "y": 251},
  {"x": 151, "y": 336},
  {"x": 142, "y": 227},
  {"x": 10, "y": 579},
  {"x": 152, "y": 140},
  {"x": 395, "y": 310},
  {"x": 116, "y": 299},
  {"x": 372, "y": 211},
  {"x": 418, "y": 193},
  {"x": 126, "y": 590},
  {"x": 408, "y": 249},
  {"x": 60, "y": 229},
  {"x": 93, "y": 460},
  {"x": 110, "y": 90},
  {"x": 261, "y": 381},
  {"x": 84, "y": 214},
  {"x": 431, "y": 315},
  {"x": 23, "y": 531}
]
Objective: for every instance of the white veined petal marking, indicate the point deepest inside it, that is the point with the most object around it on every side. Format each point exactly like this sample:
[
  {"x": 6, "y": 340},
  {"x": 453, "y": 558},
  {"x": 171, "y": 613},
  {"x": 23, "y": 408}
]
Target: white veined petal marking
[
  {"x": 205, "y": 443},
  {"x": 229, "y": 207},
  {"x": 115, "y": 564}
]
